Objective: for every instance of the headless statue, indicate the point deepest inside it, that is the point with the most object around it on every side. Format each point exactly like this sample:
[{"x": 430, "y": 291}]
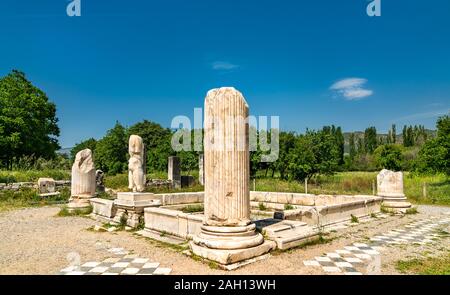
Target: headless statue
[{"x": 136, "y": 175}]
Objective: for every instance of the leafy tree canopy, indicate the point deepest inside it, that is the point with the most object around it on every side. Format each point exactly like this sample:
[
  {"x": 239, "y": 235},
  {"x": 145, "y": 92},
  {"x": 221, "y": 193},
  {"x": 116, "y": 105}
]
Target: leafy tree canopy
[
  {"x": 28, "y": 122},
  {"x": 388, "y": 156}
]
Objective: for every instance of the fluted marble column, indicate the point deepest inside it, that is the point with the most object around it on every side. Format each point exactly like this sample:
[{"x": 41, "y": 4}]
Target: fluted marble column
[
  {"x": 227, "y": 235},
  {"x": 227, "y": 163}
]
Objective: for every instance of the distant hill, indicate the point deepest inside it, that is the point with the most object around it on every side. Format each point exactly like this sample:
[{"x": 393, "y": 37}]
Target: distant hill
[{"x": 64, "y": 151}]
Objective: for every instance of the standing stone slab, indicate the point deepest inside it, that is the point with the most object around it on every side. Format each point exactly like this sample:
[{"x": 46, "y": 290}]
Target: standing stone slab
[
  {"x": 227, "y": 235},
  {"x": 174, "y": 171},
  {"x": 83, "y": 181},
  {"x": 390, "y": 187}
]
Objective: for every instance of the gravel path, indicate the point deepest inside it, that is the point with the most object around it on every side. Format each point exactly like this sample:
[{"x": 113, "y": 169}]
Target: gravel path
[{"x": 35, "y": 241}]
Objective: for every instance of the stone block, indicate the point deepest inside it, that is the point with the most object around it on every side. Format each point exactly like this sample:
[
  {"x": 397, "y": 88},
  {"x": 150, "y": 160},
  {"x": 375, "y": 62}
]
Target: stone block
[
  {"x": 288, "y": 234},
  {"x": 187, "y": 181},
  {"x": 227, "y": 257},
  {"x": 46, "y": 185},
  {"x": 102, "y": 207}
]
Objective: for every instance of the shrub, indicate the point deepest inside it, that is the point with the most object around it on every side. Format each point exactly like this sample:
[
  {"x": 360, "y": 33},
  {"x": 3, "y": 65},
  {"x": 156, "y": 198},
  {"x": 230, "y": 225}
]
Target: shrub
[
  {"x": 388, "y": 156},
  {"x": 262, "y": 207},
  {"x": 412, "y": 210},
  {"x": 288, "y": 207}
]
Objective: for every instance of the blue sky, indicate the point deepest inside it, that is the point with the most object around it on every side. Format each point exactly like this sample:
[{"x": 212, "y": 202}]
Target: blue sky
[{"x": 312, "y": 63}]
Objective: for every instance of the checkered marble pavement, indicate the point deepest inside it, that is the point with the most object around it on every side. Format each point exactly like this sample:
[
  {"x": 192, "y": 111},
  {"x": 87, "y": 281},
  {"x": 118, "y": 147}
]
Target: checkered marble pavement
[
  {"x": 122, "y": 264},
  {"x": 352, "y": 260}
]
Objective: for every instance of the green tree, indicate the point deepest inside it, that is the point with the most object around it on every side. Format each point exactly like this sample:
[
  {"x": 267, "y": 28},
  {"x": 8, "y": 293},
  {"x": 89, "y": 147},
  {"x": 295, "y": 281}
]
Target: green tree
[
  {"x": 409, "y": 136},
  {"x": 287, "y": 142},
  {"x": 111, "y": 151},
  {"x": 394, "y": 134},
  {"x": 443, "y": 126},
  {"x": 352, "y": 146},
  {"x": 302, "y": 161},
  {"x": 370, "y": 139},
  {"x": 434, "y": 156},
  {"x": 90, "y": 143},
  {"x": 388, "y": 156},
  {"x": 361, "y": 146},
  {"x": 313, "y": 153},
  {"x": 28, "y": 122},
  {"x": 157, "y": 142},
  {"x": 341, "y": 144}
]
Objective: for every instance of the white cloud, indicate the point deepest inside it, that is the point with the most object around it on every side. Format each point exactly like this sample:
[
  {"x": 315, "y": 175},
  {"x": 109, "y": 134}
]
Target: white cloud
[
  {"x": 351, "y": 88},
  {"x": 223, "y": 65}
]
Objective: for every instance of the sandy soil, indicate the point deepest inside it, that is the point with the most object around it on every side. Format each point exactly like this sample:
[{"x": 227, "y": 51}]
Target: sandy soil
[{"x": 35, "y": 241}]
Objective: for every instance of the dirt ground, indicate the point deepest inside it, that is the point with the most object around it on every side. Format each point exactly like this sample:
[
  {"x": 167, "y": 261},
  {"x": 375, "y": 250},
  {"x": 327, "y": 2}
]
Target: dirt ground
[{"x": 36, "y": 241}]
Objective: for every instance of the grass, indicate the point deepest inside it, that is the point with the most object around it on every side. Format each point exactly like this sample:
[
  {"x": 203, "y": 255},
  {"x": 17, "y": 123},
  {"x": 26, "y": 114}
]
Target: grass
[
  {"x": 262, "y": 207},
  {"x": 141, "y": 224},
  {"x": 64, "y": 212},
  {"x": 161, "y": 244},
  {"x": 28, "y": 197},
  {"x": 32, "y": 175},
  {"x": 426, "y": 266},
  {"x": 321, "y": 240},
  {"x": 437, "y": 187},
  {"x": 354, "y": 219},
  {"x": 120, "y": 181},
  {"x": 123, "y": 221},
  {"x": 288, "y": 207},
  {"x": 412, "y": 210},
  {"x": 104, "y": 195},
  {"x": 193, "y": 209},
  {"x": 164, "y": 190},
  {"x": 351, "y": 183}
]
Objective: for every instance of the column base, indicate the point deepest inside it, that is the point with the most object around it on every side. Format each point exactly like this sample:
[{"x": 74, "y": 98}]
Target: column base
[
  {"x": 396, "y": 204},
  {"x": 79, "y": 203},
  {"x": 82, "y": 207},
  {"x": 229, "y": 238},
  {"x": 229, "y": 257}
]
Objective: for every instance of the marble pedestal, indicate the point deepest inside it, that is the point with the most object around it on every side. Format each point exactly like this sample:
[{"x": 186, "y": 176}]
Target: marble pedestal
[
  {"x": 232, "y": 259},
  {"x": 79, "y": 203},
  {"x": 132, "y": 205},
  {"x": 396, "y": 203},
  {"x": 230, "y": 245}
]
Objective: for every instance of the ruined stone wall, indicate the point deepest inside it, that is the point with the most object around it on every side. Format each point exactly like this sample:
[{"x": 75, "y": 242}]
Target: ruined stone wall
[{"x": 33, "y": 185}]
